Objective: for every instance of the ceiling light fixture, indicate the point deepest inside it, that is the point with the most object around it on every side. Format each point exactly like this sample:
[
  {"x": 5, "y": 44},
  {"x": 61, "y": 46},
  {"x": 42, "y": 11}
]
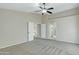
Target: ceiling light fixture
[{"x": 44, "y": 11}]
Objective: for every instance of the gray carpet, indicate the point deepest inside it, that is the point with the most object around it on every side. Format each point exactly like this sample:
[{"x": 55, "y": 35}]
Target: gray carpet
[{"x": 35, "y": 47}]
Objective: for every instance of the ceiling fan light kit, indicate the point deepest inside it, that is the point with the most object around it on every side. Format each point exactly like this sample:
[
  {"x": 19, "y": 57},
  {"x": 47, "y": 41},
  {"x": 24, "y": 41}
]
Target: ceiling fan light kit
[{"x": 44, "y": 11}]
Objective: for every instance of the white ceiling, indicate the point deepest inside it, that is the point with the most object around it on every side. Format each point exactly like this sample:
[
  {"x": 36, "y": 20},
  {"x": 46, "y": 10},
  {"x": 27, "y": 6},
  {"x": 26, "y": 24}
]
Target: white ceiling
[{"x": 31, "y": 7}]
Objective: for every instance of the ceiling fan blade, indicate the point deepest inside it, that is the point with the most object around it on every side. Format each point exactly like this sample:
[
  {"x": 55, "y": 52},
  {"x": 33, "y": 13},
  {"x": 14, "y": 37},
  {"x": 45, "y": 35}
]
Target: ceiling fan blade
[
  {"x": 50, "y": 8},
  {"x": 41, "y": 7},
  {"x": 49, "y": 12},
  {"x": 37, "y": 11}
]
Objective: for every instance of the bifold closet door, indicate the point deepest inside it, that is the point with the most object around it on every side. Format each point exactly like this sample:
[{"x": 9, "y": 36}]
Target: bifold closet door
[
  {"x": 38, "y": 30},
  {"x": 26, "y": 32},
  {"x": 30, "y": 31},
  {"x": 43, "y": 31}
]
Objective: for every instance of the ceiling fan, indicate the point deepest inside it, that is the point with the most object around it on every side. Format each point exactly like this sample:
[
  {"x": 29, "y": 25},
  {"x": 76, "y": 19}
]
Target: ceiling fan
[{"x": 45, "y": 10}]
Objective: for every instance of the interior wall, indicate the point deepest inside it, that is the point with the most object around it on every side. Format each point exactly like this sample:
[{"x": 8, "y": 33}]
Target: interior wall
[
  {"x": 13, "y": 26},
  {"x": 67, "y": 28},
  {"x": 44, "y": 19}
]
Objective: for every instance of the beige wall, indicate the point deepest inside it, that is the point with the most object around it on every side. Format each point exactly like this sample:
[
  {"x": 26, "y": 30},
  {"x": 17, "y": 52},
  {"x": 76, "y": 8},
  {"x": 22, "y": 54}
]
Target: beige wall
[
  {"x": 12, "y": 26},
  {"x": 44, "y": 19}
]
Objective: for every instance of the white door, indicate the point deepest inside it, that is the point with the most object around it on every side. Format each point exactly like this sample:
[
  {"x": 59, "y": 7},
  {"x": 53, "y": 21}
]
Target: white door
[
  {"x": 26, "y": 34},
  {"x": 38, "y": 30},
  {"x": 30, "y": 31},
  {"x": 43, "y": 30}
]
